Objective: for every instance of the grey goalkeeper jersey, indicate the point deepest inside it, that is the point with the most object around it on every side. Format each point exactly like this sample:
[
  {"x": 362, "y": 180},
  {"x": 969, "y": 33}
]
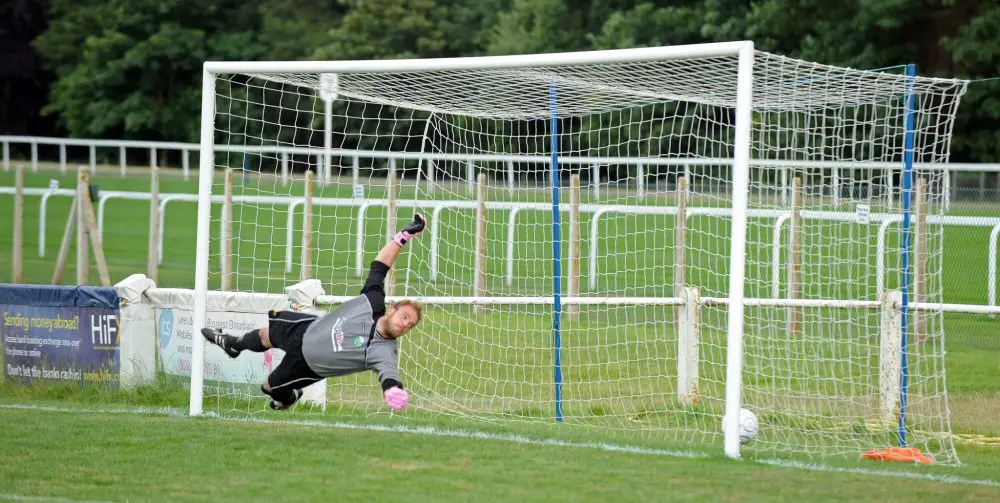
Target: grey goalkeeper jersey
[{"x": 345, "y": 341}]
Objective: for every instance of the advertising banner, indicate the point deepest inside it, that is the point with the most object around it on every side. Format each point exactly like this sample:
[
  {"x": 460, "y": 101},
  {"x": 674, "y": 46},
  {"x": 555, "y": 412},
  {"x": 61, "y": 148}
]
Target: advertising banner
[
  {"x": 174, "y": 332},
  {"x": 60, "y": 343}
]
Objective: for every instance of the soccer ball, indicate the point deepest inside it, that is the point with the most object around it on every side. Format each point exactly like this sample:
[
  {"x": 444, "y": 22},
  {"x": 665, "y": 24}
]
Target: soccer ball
[{"x": 748, "y": 424}]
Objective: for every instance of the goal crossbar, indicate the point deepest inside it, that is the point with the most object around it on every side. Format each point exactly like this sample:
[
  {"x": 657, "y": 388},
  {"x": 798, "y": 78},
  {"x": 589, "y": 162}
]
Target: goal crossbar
[{"x": 483, "y": 62}]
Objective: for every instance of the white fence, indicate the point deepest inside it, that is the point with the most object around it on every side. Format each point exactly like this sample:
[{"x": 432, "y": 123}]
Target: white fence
[
  {"x": 514, "y": 209},
  {"x": 841, "y": 173}
]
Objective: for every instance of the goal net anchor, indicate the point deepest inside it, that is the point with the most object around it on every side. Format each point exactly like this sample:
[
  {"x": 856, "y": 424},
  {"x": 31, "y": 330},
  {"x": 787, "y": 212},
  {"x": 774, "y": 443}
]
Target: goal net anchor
[{"x": 899, "y": 454}]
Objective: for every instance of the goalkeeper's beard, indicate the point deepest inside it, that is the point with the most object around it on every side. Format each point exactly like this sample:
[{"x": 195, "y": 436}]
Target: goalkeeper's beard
[{"x": 385, "y": 328}]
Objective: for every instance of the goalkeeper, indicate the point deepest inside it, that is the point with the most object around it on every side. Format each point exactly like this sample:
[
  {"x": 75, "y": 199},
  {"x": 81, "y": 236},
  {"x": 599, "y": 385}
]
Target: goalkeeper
[{"x": 359, "y": 335}]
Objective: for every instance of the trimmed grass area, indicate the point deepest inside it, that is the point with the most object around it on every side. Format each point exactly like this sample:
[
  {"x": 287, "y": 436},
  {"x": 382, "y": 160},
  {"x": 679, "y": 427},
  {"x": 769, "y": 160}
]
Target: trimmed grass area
[
  {"x": 511, "y": 356},
  {"x": 96, "y": 455}
]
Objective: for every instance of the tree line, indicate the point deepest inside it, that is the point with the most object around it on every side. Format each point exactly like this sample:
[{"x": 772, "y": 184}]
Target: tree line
[{"x": 132, "y": 68}]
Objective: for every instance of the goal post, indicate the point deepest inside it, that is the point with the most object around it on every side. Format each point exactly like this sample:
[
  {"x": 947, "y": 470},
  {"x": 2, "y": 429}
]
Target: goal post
[
  {"x": 682, "y": 321},
  {"x": 206, "y": 171}
]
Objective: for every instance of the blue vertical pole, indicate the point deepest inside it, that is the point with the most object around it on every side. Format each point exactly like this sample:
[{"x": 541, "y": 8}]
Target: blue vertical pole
[
  {"x": 908, "y": 140},
  {"x": 556, "y": 254}
]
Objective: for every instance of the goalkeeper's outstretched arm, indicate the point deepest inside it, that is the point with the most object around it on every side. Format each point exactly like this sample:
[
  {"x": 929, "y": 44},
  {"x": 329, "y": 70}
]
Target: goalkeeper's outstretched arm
[
  {"x": 391, "y": 249},
  {"x": 374, "y": 286}
]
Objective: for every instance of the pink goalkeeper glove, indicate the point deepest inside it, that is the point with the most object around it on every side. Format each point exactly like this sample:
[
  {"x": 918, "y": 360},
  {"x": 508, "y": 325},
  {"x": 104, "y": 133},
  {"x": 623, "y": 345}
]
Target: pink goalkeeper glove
[
  {"x": 397, "y": 398},
  {"x": 411, "y": 230}
]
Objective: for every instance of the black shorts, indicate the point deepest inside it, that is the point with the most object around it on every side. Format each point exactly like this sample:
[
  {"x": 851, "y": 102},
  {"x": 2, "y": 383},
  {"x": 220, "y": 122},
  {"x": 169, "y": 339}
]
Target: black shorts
[{"x": 285, "y": 330}]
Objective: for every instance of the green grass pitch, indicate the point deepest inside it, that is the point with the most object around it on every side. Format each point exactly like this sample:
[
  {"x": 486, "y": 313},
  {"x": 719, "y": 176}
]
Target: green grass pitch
[{"x": 47, "y": 447}]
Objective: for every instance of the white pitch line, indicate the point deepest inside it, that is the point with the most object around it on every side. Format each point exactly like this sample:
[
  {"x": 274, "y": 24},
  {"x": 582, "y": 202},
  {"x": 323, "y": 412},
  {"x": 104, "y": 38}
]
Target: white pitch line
[
  {"x": 520, "y": 439},
  {"x": 419, "y": 430},
  {"x": 932, "y": 477}
]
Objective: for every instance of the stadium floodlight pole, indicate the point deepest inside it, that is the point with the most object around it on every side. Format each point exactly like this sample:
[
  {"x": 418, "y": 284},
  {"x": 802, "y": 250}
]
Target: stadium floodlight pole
[
  {"x": 206, "y": 167},
  {"x": 556, "y": 255},
  {"x": 907, "y": 182},
  {"x": 737, "y": 251}
]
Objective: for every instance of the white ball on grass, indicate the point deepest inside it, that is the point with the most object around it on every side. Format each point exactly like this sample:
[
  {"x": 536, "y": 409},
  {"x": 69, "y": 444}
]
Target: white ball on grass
[{"x": 748, "y": 424}]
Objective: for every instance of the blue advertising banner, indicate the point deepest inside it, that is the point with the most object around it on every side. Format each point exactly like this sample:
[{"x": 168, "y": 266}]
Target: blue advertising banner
[{"x": 60, "y": 343}]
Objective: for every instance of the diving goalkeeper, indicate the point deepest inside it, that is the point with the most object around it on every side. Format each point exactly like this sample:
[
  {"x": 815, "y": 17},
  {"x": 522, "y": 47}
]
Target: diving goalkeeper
[{"x": 359, "y": 335}]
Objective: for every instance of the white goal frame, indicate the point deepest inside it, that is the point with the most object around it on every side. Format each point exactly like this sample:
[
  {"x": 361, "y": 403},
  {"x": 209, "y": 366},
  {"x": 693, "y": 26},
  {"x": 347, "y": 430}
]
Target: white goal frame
[{"x": 744, "y": 50}]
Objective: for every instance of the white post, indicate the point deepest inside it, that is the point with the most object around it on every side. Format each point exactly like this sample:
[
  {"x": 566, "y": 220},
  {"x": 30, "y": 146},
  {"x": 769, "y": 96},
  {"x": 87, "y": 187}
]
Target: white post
[
  {"x": 227, "y": 232},
  {"x": 205, "y": 170},
  {"x": 41, "y": 223},
  {"x": 62, "y": 157},
  {"x": 392, "y": 168},
  {"x": 93, "y": 159},
  {"x": 355, "y": 171},
  {"x": 573, "y": 272},
  {"x": 880, "y": 254},
  {"x": 327, "y": 138},
  {"x": 511, "y": 220},
  {"x": 185, "y": 164},
  {"x": 290, "y": 235},
  {"x": 640, "y": 180},
  {"x": 888, "y": 188},
  {"x": 680, "y": 247},
  {"x": 776, "y": 256},
  {"x": 163, "y": 217},
  {"x": 359, "y": 242},
  {"x": 121, "y": 160},
  {"x": 430, "y": 175},
  {"x": 153, "y": 247},
  {"x": 795, "y": 255},
  {"x": 305, "y": 267},
  {"x": 947, "y": 187},
  {"x": 680, "y": 237},
  {"x": 919, "y": 282},
  {"x": 470, "y": 177},
  {"x": 784, "y": 186},
  {"x": 284, "y": 168},
  {"x": 392, "y": 190},
  {"x": 737, "y": 254},
  {"x": 435, "y": 225},
  {"x": 991, "y": 275},
  {"x": 890, "y": 354},
  {"x": 34, "y": 158},
  {"x": 595, "y": 221},
  {"x": 480, "y": 259},
  {"x": 836, "y": 186},
  {"x": 689, "y": 323},
  {"x": 510, "y": 177},
  {"x": 152, "y": 157},
  {"x": 595, "y": 179}
]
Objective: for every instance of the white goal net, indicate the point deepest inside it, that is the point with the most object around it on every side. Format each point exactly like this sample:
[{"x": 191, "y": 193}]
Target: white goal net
[{"x": 643, "y": 146}]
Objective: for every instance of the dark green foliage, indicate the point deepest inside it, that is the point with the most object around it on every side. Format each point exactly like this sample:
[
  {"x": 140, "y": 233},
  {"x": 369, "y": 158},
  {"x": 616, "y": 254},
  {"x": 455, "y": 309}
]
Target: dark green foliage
[{"x": 131, "y": 68}]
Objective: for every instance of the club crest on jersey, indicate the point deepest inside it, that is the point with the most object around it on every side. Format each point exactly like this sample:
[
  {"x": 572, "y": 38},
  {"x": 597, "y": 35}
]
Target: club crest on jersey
[{"x": 337, "y": 334}]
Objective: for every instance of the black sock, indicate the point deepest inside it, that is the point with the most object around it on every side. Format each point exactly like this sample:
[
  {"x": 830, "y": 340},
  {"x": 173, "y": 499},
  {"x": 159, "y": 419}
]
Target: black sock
[{"x": 250, "y": 342}]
